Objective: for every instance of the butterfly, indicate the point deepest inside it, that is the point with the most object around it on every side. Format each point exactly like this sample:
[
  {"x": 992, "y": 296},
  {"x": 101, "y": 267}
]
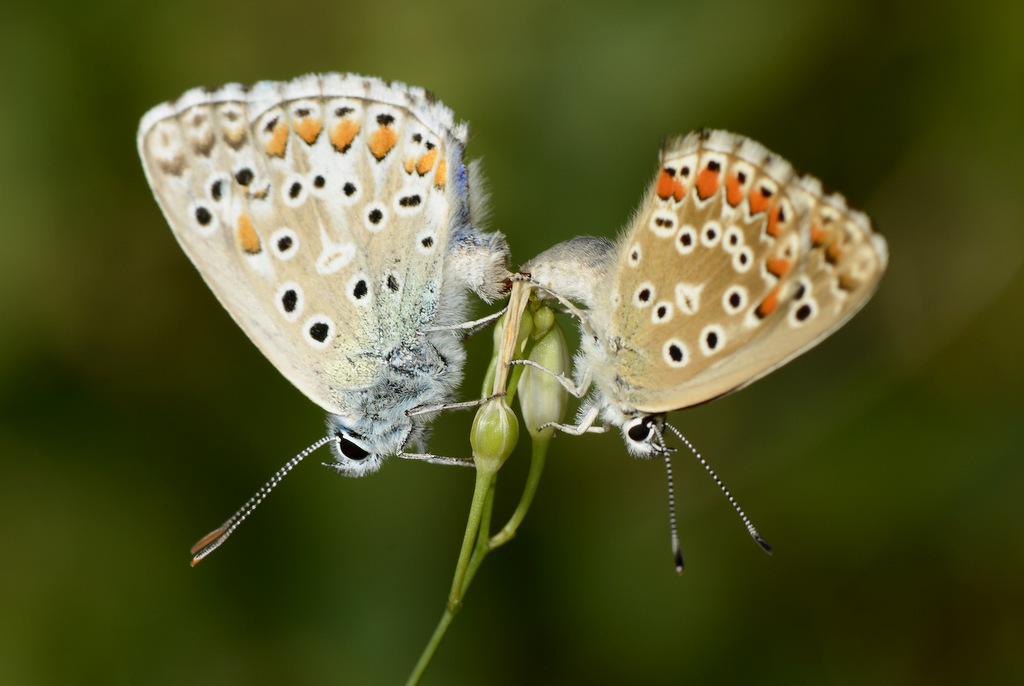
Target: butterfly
[
  {"x": 334, "y": 218},
  {"x": 733, "y": 265}
]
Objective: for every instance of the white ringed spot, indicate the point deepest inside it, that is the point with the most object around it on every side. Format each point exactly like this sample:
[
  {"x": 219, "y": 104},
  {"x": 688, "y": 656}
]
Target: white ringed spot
[
  {"x": 284, "y": 243},
  {"x": 662, "y": 312},
  {"x": 674, "y": 353},
  {"x": 742, "y": 259},
  {"x": 289, "y": 300},
  {"x": 426, "y": 241},
  {"x": 635, "y": 255},
  {"x": 712, "y": 339},
  {"x": 711, "y": 234},
  {"x": 663, "y": 223},
  {"x": 375, "y": 217},
  {"x": 202, "y": 218},
  {"x": 686, "y": 240},
  {"x": 358, "y": 290},
  {"x": 318, "y": 331},
  {"x": 643, "y": 296},
  {"x": 734, "y": 299},
  {"x": 732, "y": 240},
  {"x": 294, "y": 190}
]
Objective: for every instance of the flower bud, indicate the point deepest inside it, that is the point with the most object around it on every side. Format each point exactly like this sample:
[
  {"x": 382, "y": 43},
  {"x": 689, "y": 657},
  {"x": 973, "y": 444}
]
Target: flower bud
[
  {"x": 494, "y": 434},
  {"x": 542, "y": 398}
]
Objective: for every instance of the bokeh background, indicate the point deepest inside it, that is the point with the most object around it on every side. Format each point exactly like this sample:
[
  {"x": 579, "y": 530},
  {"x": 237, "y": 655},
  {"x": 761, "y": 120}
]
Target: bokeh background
[{"x": 884, "y": 466}]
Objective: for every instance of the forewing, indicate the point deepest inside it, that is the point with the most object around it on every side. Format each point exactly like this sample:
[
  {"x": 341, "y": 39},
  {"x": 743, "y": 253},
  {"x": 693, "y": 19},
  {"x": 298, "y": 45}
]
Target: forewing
[
  {"x": 319, "y": 212},
  {"x": 733, "y": 266}
]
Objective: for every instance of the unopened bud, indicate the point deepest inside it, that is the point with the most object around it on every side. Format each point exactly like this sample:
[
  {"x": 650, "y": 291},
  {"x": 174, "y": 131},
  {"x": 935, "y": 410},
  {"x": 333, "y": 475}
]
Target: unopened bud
[
  {"x": 494, "y": 434},
  {"x": 542, "y": 398}
]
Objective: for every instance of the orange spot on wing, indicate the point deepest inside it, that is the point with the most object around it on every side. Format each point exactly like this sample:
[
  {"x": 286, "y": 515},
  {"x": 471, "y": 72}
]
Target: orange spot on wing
[
  {"x": 707, "y": 183},
  {"x": 733, "y": 193},
  {"x": 665, "y": 185},
  {"x": 777, "y": 267},
  {"x": 309, "y": 129},
  {"x": 343, "y": 133},
  {"x": 248, "y": 241},
  {"x": 678, "y": 190},
  {"x": 426, "y": 162},
  {"x": 818, "y": 235},
  {"x": 410, "y": 164},
  {"x": 382, "y": 141},
  {"x": 769, "y": 304},
  {"x": 758, "y": 201},
  {"x": 441, "y": 175},
  {"x": 773, "y": 222},
  {"x": 278, "y": 140}
]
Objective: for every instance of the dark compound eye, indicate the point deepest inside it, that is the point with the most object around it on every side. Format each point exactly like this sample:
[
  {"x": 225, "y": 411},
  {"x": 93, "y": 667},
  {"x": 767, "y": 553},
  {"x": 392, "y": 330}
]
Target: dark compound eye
[
  {"x": 350, "y": 449},
  {"x": 639, "y": 432}
]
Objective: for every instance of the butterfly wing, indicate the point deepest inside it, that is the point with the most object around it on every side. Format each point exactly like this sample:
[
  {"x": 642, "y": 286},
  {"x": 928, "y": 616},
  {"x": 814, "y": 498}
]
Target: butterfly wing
[
  {"x": 733, "y": 266},
  {"x": 319, "y": 211}
]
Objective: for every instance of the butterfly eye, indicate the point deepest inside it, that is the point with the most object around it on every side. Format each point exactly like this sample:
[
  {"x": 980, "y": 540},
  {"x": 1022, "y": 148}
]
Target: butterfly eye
[
  {"x": 640, "y": 430},
  {"x": 350, "y": 449}
]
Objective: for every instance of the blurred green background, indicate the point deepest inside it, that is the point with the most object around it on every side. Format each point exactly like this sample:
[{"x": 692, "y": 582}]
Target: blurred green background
[{"x": 884, "y": 466}]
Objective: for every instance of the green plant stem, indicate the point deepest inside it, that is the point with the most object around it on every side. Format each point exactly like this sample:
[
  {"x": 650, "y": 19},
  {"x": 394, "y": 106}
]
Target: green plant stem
[
  {"x": 478, "y": 522},
  {"x": 483, "y": 494},
  {"x": 537, "y": 460}
]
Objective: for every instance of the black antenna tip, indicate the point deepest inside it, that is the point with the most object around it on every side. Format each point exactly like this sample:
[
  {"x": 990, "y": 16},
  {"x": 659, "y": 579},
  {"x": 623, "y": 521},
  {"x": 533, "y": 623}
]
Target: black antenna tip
[
  {"x": 764, "y": 544},
  {"x": 679, "y": 562}
]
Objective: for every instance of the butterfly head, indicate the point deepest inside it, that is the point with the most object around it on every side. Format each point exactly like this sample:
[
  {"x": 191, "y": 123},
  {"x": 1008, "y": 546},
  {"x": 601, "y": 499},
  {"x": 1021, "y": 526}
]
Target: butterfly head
[
  {"x": 642, "y": 434},
  {"x": 358, "y": 453}
]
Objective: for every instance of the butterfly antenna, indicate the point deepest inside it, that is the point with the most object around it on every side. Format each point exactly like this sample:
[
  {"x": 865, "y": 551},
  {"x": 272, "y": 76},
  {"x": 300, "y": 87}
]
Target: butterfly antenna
[
  {"x": 663, "y": 449},
  {"x": 746, "y": 521},
  {"x": 213, "y": 540}
]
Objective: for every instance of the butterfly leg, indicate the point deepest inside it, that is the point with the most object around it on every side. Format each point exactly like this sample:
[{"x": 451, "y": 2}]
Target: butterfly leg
[
  {"x": 473, "y": 326},
  {"x": 439, "y": 407},
  {"x": 437, "y": 459},
  {"x": 586, "y": 424},
  {"x": 567, "y": 304},
  {"x": 577, "y": 391}
]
